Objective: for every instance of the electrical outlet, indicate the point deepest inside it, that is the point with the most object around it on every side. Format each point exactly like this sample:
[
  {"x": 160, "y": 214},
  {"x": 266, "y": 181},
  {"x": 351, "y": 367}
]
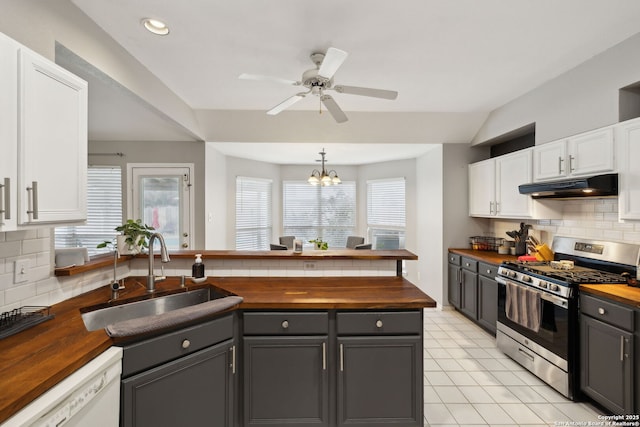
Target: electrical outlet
[
  {"x": 21, "y": 271},
  {"x": 309, "y": 265}
]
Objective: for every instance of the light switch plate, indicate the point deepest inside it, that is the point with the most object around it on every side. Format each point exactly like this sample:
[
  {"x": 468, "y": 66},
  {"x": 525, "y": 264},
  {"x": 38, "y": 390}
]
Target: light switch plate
[{"x": 21, "y": 271}]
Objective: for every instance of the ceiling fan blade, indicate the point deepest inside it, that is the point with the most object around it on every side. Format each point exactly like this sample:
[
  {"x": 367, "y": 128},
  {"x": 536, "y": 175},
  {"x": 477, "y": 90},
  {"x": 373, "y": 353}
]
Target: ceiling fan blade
[
  {"x": 245, "y": 76},
  {"x": 333, "y": 59},
  {"x": 366, "y": 91},
  {"x": 285, "y": 104},
  {"x": 334, "y": 109}
]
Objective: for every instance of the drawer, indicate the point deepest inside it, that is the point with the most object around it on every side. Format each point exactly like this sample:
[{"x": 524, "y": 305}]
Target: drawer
[
  {"x": 454, "y": 259},
  {"x": 379, "y": 323},
  {"x": 488, "y": 270},
  {"x": 609, "y": 312},
  {"x": 155, "y": 351},
  {"x": 469, "y": 264},
  {"x": 286, "y": 323}
]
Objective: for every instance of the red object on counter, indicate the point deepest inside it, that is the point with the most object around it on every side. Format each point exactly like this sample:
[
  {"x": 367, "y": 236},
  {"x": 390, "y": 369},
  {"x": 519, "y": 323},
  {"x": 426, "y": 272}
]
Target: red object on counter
[{"x": 527, "y": 258}]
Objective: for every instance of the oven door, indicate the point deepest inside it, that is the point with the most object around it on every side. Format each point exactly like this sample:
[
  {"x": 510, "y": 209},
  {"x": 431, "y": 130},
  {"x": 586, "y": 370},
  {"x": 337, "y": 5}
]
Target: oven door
[{"x": 555, "y": 325}]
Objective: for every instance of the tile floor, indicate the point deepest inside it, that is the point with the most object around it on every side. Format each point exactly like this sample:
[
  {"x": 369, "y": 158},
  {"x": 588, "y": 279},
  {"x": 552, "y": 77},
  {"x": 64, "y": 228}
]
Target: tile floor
[{"x": 469, "y": 382}]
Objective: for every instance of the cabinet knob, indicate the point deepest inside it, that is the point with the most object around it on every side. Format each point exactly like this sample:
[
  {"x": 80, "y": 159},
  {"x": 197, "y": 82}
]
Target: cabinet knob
[
  {"x": 186, "y": 344},
  {"x": 467, "y": 264},
  {"x": 601, "y": 310},
  {"x": 489, "y": 271},
  {"x": 285, "y": 324},
  {"x": 378, "y": 323}
]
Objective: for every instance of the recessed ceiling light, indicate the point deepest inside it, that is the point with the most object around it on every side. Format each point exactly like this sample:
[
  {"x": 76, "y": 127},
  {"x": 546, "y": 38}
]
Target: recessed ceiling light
[{"x": 155, "y": 26}]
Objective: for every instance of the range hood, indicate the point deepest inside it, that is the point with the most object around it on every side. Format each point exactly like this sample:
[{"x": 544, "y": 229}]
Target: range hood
[{"x": 593, "y": 186}]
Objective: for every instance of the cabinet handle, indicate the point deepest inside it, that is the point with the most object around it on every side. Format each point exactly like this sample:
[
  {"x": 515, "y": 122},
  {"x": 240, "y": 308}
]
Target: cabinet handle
[
  {"x": 324, "y": 356},
  {"x": 497, "y": 208},
  {"x": 6, "y": 210},
  {"x": 186, "y": 344},
  {"x": 560, "y": 160},
  {"x": 32, "y": 204},
  {"x": 621, "y": 348},
  {"x": 341, "y": 357},
  {"x": 233, "y": 359},
  {"x": 378, "y": 323},
  {"x": 285, "y": 324},
  {"x": 601, "y": 311},
  {"x": 571, "y": 159},
  {"x": 490, "y": 208}
]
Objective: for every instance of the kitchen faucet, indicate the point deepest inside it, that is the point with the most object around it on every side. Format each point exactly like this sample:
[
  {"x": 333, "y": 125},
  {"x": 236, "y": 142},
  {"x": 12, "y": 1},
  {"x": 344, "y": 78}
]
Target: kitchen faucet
[{"x": 164, "y": 257}]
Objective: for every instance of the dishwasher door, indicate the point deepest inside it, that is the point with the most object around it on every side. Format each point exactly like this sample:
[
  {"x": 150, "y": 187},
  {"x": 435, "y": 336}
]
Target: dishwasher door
[{"x": 88, "y": 397}]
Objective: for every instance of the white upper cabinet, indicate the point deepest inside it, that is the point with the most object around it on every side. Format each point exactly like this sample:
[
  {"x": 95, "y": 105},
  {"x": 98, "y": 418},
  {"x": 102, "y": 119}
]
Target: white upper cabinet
[
  {"x": 585, "y": 154},
  {"x": 493, "y": 189},
  {"x": 482, "y": 188},
  {"x": 628, "y": 145},
  {"x": 44, "y": 139},
  {"x": 8, "y": 132}
]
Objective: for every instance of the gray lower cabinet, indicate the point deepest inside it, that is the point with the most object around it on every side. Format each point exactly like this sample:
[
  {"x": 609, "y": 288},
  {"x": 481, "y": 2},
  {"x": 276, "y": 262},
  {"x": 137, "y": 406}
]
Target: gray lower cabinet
[
  {"x": 194, "y": 389},
  {"x": 487, "y": 297},
  {"x": 333, "y": 368},
  {"x": 286, "y": 380},
  {"x": 473, "y": 290},
  {"x": 607, "y": 353},
  {"x": 380, "y": 380},
  {"x": 453, "y": 281}
]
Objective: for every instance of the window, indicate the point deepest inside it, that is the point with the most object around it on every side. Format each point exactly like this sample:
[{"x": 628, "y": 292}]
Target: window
[
  {"x": 104, "y": 212},
  {"x": 315, "y": 211},
  {"x": 253, "y": 213},
  {"x": 386, "y": 215}
]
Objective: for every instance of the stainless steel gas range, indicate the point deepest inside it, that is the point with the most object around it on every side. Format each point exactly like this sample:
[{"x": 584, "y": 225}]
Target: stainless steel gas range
[{"x": 538, "y": 305}]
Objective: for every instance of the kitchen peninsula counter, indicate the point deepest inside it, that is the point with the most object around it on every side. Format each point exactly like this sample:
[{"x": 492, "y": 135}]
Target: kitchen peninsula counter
[{"x": 35, "y": 360}]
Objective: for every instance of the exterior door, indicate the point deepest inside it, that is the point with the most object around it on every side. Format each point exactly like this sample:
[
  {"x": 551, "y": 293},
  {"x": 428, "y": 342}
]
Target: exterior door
[{"x": 161, "y": 195}]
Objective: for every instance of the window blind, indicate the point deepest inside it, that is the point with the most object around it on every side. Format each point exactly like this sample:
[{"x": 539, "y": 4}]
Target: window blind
[
  {"x": 104, "y": 212},
  {"x": 386, "y": 213},
  {"x": 328, "y": 212},
  {"x": 253, "y": 213}
]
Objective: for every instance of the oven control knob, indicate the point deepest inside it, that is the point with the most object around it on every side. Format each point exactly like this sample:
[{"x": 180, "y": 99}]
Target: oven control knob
[
  {"x": 526, "y": 279},
  {"x": 512, "y": 274},
  {"x": 554, "y": 287},
  {"x": 543, "y": 284}
]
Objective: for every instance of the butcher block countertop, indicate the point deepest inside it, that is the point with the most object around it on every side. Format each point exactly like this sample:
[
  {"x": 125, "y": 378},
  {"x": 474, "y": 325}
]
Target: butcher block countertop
[
  {"x": 33, "y": 361},
  {"x": 484, "y": 256},
  {"x": 621, "y": 293}
]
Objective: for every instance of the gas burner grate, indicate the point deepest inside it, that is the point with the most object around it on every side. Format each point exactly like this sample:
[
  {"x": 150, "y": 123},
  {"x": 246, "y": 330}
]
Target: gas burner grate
[{"x": 19, "y": 319}]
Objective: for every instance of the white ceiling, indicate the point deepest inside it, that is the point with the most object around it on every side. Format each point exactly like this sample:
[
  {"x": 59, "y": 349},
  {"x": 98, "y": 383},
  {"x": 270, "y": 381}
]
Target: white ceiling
[{"x": 440, "y": 55}]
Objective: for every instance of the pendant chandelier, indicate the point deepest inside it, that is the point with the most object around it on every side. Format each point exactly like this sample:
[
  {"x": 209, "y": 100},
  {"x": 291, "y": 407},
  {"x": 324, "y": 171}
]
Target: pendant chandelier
[{"x": 323, "y": 177}]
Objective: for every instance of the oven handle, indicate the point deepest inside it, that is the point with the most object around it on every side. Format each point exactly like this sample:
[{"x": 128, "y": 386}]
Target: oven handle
[{"x": 560, "y": 302}]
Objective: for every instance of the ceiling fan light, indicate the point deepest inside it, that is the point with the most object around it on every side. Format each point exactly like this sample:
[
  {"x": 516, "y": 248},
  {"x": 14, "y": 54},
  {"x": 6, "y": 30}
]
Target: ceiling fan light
[{"x": 155, "y": 26}]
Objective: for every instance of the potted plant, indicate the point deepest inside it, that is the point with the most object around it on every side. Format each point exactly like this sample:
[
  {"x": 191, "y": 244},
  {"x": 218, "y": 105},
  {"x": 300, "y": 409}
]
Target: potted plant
[
  {"x": 134, "y": 237},
  {"x": 320, "y": 244}
]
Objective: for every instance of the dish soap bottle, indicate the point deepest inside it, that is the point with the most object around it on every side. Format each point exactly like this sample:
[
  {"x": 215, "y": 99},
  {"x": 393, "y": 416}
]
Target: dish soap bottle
[{"x": 197, "y": 269}]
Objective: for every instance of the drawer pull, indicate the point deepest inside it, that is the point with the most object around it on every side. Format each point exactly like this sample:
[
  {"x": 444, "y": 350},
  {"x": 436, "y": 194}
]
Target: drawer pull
[
  {"x": 601, "y": 310},
  {"x": 285, "y": 324},
  {"x": 467, "y": 264},
  {"x": 378, "y": 323},
  {"x": 186, "y": 344},
  {"x": 488, "y": 271}
]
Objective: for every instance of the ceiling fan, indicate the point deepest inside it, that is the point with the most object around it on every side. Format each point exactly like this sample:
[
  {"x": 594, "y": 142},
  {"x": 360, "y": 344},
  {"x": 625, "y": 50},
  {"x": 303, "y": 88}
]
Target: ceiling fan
[{"x": 319, "y": 80}]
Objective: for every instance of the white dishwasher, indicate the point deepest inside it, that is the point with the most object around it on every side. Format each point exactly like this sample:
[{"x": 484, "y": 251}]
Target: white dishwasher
[{"x": 88, "y": 397}]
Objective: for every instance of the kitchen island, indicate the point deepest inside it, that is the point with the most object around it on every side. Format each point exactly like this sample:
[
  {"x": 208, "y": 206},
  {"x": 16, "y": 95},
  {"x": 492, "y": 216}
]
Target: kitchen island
[{"x": 35, "y": 360}]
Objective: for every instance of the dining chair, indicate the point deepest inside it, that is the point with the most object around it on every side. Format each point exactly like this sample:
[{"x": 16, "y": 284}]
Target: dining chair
[
  {"x": 352, "y": 241},
  {"x": 287, "y": 241}
]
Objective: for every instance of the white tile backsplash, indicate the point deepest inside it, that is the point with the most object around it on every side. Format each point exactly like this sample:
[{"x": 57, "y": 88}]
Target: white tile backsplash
[{"x": 590, "y": 218}]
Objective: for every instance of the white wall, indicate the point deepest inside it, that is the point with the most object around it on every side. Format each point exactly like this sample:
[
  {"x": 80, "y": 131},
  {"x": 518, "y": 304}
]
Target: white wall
[
  {"x": 215, "y": 198},
  {"x": 579, "y": 100}
]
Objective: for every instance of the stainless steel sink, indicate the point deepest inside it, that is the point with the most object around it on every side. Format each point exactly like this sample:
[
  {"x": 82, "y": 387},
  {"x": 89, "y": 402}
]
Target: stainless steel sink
[{"x": 97, "y": 317}]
